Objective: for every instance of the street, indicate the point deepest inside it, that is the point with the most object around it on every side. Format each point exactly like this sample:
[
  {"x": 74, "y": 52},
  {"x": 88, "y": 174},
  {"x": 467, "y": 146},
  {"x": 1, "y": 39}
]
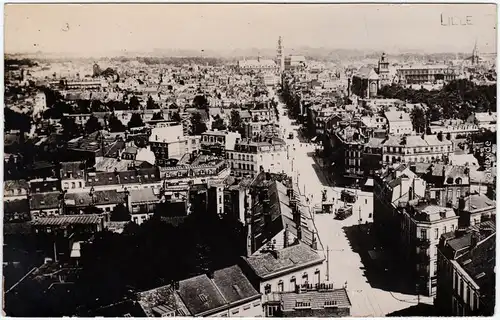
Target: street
[{"x": 372, "y": 287}]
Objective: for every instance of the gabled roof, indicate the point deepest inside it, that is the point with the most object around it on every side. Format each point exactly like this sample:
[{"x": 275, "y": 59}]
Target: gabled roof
[
  {"x": 200, "y": 295},
  {"x": 288, "y": 259},
  {"x": 156, "y": 301},
  {"x": 86, "y": 219},
  {"x": 317, "y": 299},
  {"x": 233, "y": 285}
]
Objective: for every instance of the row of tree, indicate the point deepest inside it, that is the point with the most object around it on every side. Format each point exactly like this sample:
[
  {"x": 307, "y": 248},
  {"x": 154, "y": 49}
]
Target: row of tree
[{"x": 456, "y": 100}]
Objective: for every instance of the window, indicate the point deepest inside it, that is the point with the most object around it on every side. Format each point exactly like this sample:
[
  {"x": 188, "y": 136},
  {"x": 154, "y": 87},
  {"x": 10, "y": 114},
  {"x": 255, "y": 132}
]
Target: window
[
  {"x": 267, "y": 289},
  {"x": 246, "y": 307},
  {"x": 73, "y": 185},
  {"x": 436, "y": 233},
  {"x": 435, "y": 267},
  {"x": 423, "y": 233},
  {"x": 444, "y": 229},
  {"x": 458, "y": 193},
  {"x": 280, "y": 286},
  {"x": 236, "y": 311}
]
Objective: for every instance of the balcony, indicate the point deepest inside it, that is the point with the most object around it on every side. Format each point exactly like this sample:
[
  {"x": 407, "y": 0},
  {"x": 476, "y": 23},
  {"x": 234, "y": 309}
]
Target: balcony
[
  {"x": 423, "y": 243},
  {"x": 423, "y": 257}
]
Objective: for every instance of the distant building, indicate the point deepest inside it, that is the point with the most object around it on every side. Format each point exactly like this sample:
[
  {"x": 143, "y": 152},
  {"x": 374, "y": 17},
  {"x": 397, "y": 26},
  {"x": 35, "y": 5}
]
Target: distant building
[
  {"x": 425, "y": 148},
  {"x": 219, "y": 141},
  {"x": 169, "y": 142},
  {"x": 257, "y": 65},
  {"x": 383, "y": 70},
  {"x": 365, "y": 83},
  {"x": 293, "y": 62},
  {"x": 426, "y": 73}
]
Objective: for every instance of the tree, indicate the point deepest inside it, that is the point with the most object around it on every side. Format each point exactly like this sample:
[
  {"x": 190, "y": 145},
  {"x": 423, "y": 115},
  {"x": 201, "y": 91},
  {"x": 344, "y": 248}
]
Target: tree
[
  {"x": 151, "y": 104},
  {"x": 115, "y": 125},
  {"x": 134, "y": 103},
  {"x": 236, "y": 123},
  {"x": 92, "y": 210},
  {"x": 440, "y": 136},
  {"x": 418, "y": 119},
  {"x": 157, "y": 116},
  {"x": 176, "y": 117},
  {"x": 200, "y": 102},
  {"x": 197, "y": 124},
  {"x": 219, "y": 124},
  {"x": 92, "y": 125},
  {"x": 69, "y": 128},
  {"x": 135, "y": 121},
  {"x": 120, "y": 213}
]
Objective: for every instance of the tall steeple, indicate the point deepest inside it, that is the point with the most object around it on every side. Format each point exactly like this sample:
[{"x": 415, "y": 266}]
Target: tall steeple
[{"x": 280, "y": 55}]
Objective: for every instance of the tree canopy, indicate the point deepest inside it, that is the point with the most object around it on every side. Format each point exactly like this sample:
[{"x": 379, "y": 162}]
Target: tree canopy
[
  {"x": 115, "y": 125},
  {"x": 120, "y": 213},
  {"x": 197, "y": 124},
  {"x": 92, "y": 125},
  {"x": 457, "y": 99},
  {"x": 135, "y": 121},
  {"x": 218, "y": 124}
]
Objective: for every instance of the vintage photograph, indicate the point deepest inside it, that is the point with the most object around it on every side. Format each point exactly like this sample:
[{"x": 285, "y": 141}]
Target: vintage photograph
[{"x": 249, "y": 160}]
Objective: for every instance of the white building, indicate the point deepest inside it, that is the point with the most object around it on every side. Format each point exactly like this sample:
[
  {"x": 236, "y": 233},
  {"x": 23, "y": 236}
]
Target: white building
[
  {"x": 251, "y": 157},
  {"x": 399, "y": 122}
]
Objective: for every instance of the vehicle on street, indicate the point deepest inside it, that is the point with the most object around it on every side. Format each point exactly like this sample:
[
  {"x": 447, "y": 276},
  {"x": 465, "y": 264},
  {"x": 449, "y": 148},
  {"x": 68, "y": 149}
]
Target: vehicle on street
[
  {"x": 343, "y": 213},
  {"x": 348, "y": 196}
]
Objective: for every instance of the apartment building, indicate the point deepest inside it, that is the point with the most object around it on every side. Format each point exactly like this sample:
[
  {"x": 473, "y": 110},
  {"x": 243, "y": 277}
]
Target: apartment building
[
  {"x": 274, "y": 271},
  {"x": 169, "y": 142},
  {"x": 253, "y": 156},
  {"x": 466, "y": 272},
  {"x": 426, "y": 73},
  {"x": 415, "y": 148},
  {"x": 219, "y": 141},
  {"x": 406, "y": 220},
  {"x": 398, "y": 123}
]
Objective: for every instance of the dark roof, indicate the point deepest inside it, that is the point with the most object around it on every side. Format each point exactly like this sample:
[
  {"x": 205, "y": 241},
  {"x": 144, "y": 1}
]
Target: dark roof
[
  {"x": 15, "y": 184},
  {"x": 200, "y": 295},
  {"x": 68, "y": 220},
  {"x": 317, "y": 299},
  {"x": 233, "y": 284},
  {"x": 127, "y": 308},
  {"x": 479, "y": 263},
  {"x": 161, "y": 299},
  {"x": 48, "y": 200},
  {"x": 142, "y": 175},
  {"x": 16, "y": 206},
  {"x": 291, "y": 258},
  {"x": 75, "y": 167},
  {"x": 100, "y": 197}
]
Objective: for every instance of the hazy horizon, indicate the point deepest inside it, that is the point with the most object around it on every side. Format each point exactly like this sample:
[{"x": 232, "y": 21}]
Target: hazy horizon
[{"x": 89, "y": 29}]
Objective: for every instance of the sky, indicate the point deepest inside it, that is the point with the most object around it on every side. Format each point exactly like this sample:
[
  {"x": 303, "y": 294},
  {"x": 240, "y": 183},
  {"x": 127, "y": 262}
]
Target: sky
[{"x": 88, "y": 28}]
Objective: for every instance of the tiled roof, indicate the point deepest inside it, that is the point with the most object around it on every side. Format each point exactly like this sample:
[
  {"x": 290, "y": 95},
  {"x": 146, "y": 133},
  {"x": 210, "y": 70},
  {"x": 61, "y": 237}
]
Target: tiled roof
[
  {"x": 110, "y": 164},
  {"x": 143, "y": 196},
  {"x": 397, "y": 116},
  {"x": 16, "y": 206},
  {"x": 15, "y": 185},
  {"x": 147, "y": 175},
  {"x": 317, "y": 299},
  {"x": 200, "y": 295},
  {"x": 68, "y": 220},
  {"x": 288, "y": 259},
  {"x": 233, "y": 284},
  {"x": 164, "y": 298},
  {"x": 479, "y": 263},
  {"x": 75, "y": 167},
  {"x": 100, "y": 197},
  {"x": 49, "y": 200}
]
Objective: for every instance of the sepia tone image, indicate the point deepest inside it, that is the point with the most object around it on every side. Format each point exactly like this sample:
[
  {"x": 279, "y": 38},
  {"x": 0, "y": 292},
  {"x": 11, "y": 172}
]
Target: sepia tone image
[{"x": 249, "y": 160}]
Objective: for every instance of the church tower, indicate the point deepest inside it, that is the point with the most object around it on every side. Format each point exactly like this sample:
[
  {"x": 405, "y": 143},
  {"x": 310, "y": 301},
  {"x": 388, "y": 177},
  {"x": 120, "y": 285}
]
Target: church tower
[
  {"x": 383, "y": 69},
  {"x": 280, "y": 56}
]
